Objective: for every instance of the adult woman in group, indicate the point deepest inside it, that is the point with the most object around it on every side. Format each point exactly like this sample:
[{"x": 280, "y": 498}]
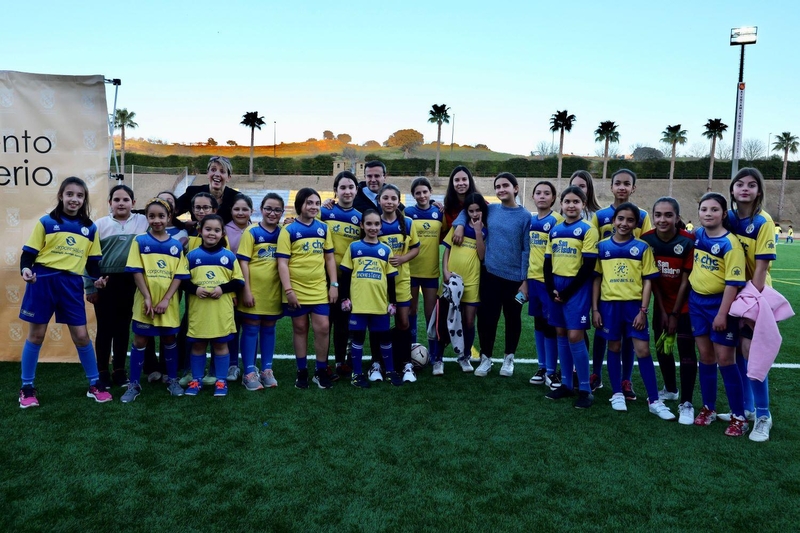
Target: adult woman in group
[{"x": 219, "y": 174}]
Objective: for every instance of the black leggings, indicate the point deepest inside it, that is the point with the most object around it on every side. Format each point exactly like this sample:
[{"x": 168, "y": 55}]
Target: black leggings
[
  {"x": 114, "y": 311},
  {"x": 497, "y": 294},
  {"x": 340, "y": 324},
  {"x": 687, "y": 355}
]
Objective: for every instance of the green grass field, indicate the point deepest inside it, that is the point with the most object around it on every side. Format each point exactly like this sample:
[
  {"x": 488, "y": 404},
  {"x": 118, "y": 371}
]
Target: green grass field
[{"x": 455, "y": 453}]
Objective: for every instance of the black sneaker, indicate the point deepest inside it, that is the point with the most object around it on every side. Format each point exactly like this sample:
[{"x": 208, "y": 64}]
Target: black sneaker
[
  {"x": 538, "y": 377},
  {"x": 119, "y": 378},
  {"x": 360, "y": 381},
  {"x": 302, "y": 379},
  {"x": 553, "y": 380},
  {"x": 395, "y": 378},
  {"x": 322, "y": 379},
  {"x": 627, "y": 391},
  {"x": 559, "y": 393},
  {"x": 595, "y": 382},
  {"x": 584, "y": 401},
  {"x": 332, "y": 376},
  {"x": 104, "y": 382}
]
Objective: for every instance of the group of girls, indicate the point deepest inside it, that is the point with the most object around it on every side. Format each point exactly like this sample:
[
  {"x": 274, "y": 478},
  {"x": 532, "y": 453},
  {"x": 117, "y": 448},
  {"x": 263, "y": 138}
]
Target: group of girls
[{"x": 577, "y": 263}]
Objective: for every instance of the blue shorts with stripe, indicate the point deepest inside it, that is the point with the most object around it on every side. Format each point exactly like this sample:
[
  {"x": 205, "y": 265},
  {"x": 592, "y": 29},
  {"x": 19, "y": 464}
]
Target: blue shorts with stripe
[
  {"x": 362, "y": 322},
  {"x": 538, "y": 300},
  {"x": 55, "y": 292},
  {"x": 574, "y": 313},
  {"x": 618, "y": 320},
  {"x": 703, "y": 310}
]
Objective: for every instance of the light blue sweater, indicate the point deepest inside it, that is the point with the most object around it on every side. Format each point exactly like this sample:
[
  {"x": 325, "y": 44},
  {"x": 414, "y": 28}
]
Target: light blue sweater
[{"x": 508, "y": 243}]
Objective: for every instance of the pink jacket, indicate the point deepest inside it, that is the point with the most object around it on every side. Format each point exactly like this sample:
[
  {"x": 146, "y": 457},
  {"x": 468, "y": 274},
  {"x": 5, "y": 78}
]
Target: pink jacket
[{"x": 766, "y": 309}]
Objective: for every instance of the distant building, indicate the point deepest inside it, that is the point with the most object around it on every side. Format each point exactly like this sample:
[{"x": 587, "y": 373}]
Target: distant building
[{"x": 340, "y": 165}]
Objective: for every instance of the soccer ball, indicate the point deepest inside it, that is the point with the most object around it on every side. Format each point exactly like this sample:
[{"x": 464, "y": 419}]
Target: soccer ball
[{"x": 419, "y": 355}]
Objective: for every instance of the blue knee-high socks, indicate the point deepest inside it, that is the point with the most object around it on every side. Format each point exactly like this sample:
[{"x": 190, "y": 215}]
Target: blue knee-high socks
[
  {"x": 137, "y": 361},
  {"x": 565, "y": 357},
  {"x": 198, "y": 364},
  {"x": 387, "y": 356},
  {"x": 30, "y": 358},
  {"x": 733, "y": 388},
  {"x": 171, "y": 359},
  {"x": 357, "y": 354},
  {"x": 267, "y": 346},
  {"x": 89, "y": 362},
  {"x": 708, "y": 384},
  {"x": 614, "y": 366},
  {"x": 648, "y": 372},
  {"x": 761, "y": 396},
  {"x": 249, "y": 339},
  {"x": 221, "y": 366},
  {"x": 747, "y": 392},
  {"x": 628, "y": 357},
  {"x": 551, "y": 353},
  {"x": 580, "y": 357}
]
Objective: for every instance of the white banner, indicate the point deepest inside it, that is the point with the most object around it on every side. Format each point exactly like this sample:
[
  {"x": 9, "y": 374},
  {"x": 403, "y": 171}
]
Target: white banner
[{"x": 51, "y": 127}]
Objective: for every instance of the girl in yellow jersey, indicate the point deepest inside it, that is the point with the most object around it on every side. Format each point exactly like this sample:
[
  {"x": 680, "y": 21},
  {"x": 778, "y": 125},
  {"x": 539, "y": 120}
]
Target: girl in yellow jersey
[
  {"x": 465, "y": 260},
  {"x": 755, "y": 229},
  {"x": 63, "y": 244},
  {"x": 158, "y": 265},
  {"x": 717, "y": 275},
  {"x": 427, "y": 221},
  {"x": 215, "y": 277},
  {"x": 545, "y": 219},
  {"x": 260, "y": 303},
  {"x": 399, "y": 233},
  {"x": 305, "y": 254}
]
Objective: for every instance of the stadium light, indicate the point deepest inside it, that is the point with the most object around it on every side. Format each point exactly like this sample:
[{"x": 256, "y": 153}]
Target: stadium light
[{"x": 740, "y": 37}]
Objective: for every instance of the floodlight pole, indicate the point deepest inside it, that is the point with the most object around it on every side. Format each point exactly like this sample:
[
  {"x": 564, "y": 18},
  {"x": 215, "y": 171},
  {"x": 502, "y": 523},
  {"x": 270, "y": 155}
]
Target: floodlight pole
[{"x": 740, "y": 37}]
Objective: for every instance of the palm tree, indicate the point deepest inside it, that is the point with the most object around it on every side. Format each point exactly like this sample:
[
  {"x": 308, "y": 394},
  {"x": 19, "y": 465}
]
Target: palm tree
[
  {"x": 606, "y": 132},
  {"x": 561, "y": 121},
  {"x": 714, "y": 130},
  {"x": 788, "y": 143},
  {"x": 673, "y": 135},
  {"x": 124, "y": 119},
  {"x": 438, "y": 114},
  {"x": 252, "y": 121}
]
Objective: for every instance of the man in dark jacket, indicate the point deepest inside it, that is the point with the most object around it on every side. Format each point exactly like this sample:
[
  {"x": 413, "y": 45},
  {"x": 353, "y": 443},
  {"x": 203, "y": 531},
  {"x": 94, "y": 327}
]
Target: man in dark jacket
[{"x": 367, "y": 195}]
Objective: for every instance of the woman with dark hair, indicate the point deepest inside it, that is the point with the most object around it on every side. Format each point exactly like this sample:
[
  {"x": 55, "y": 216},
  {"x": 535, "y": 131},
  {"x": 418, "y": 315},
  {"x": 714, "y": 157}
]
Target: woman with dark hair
[{"x": 460, "y": 185}]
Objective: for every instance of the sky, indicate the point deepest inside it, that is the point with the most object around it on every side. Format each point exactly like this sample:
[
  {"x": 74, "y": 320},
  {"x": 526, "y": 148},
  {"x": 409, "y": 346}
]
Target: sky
[{"x": 190, "y": 70}]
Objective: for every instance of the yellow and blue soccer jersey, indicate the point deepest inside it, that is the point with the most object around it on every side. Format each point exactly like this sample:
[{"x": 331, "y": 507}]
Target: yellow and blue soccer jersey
[
  {"x": 258, "y": 248},
  {"x": 370, "y": 267},
  {"x": 718, "y": 261},
  {"x": 756, "y": 236},
  {"x": 603, "y": 220},
  {"x": 65, "y": 245},
  {"x": 539, "y": 233},
  {"x": 623, "y": 267},
  {"x": 465, "y": 262},
  {"x": 345, "y": 228},
  {"x": 160, "y": 262},
  {"x": 392, "y": 236},
  {"x": 211, "y": 318},
  {"x": 305, "y": 247},
  {"x": 568, "y": 244},
  {"x": 428, "y": 224}
]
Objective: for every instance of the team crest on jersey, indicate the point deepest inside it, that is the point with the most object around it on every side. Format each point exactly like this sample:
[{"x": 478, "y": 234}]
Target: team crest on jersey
[
  {"x": 12, "y": 293},
  {"x": 381, "y": 252},
  {"x": 577, "y": 232},
  {"x": 435, "y": 216},
  {"x": 320, "y": 232},
  {"x": 678, "y": 249},
  {"x": 12, "y": 217},
  {"x": 635, "y": 251},
  {"x": 15, "y": 332},
  {"x": 750, "y": 228},
  {"x": 146, "y": 249},
  {"x": 737, "y": 271},
  {"x": 173, "y": 250},
  {"x": 546, "y": 227},
  {"x": 354, "y": 219},
  {"x": 85, "y": 231},
  {"x": 715, "y": 249},
  {"x": 56, "y": 333},
  {"x": 224, "y": 260},
  {"x": 161, "y": 264}
]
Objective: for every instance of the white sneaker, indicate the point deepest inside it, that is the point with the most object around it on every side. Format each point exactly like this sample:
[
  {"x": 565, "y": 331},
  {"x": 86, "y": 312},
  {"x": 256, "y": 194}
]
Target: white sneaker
[
  {"x": 686, "y": 414},
  {"x": 465, "y": 365},
  {"x": 485, "y": 367},
  {"x": 408, "y": 373},
  {"x": 748, "y": 415},
  {"x": 661, "y": 411},
  {"x": 761, "y": 429},
  {"x": 665, "y": 395},
  {"x": 618, "y": 402},
  {"x": 375, "y": 372},
  {"x": 233, "y": 373},
  {"x": 438, "y": 368},
  {"x": 507, "y": 370}
]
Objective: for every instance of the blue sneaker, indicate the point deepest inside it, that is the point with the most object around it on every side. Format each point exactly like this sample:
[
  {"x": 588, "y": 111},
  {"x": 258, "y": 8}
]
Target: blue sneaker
[
  {"x": 221, "y": 388},
  {"x": 395, "y": 378},
  {"x": 194, "y": 387},
  {"x": 360, "y": 381}
]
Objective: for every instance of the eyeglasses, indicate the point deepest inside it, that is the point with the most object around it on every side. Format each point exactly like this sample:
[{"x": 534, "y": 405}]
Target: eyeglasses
[
  {"x": 203, "y": 208},
  {"x": 269, "y": 210}
]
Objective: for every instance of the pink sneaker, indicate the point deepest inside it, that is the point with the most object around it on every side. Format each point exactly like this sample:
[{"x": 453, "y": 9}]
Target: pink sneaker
[
  {"x": 99, "y": 396},
  {"x": 27, "y": 397}
]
